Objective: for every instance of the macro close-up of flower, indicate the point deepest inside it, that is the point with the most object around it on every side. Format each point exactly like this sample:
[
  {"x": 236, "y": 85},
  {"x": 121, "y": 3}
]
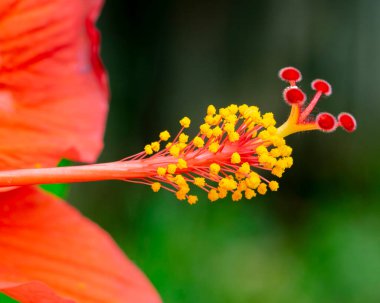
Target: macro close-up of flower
[{"x": 267, "y": 197}]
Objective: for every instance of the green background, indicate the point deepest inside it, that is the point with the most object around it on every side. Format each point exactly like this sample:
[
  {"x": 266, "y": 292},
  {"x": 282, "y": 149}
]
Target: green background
[{"x": 318, "y": 238}]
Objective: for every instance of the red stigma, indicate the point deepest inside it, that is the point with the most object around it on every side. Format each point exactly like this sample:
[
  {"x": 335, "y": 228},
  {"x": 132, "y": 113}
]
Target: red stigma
[
  {"x": 293, "y": 95},
  {"x": 322, "y": 86},
  {"x": 290, "y": 74},
  {"x": 326, "y": 122},
  {"x": 347, "y": 122}
]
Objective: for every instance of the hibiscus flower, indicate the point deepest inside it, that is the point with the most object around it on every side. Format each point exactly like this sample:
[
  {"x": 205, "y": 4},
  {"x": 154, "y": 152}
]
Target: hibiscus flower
[{"x": 53, "y": 105}]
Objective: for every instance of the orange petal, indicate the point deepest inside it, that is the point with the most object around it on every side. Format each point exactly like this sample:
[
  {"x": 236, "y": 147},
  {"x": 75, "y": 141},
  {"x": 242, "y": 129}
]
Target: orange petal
[
  {"x": 53, "y": 88},
  {"x": 49, "y": 251}
]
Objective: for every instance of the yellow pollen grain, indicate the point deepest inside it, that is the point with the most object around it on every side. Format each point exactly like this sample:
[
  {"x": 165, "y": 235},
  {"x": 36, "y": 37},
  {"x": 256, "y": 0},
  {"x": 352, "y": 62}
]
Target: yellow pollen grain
[
  {"x": 213, "y": 195},
  {"x": 243, "y": 108},
  {"x": 260, "y": 150},
  {"x": 217, "y": 131},
  {"x": 155, "y": 146},
  {"x": 233, "y": 137},
  {"x": 182, "y": 164},
  {"x": 264, "y": 135},
  {"x": 250, "y": 193},
  {"x": 198, "y": 142},
  {"x": 211, "y": 110},
  {"x": 245, "y": 168},
  {"x": 209, "y": 120},
  {"x": 214, "y": 168},
  {"x": 233, "y": 108},
  {"x": 236, "y": 196},
  {"x": 204, "y": 128},
  {"x": 148, "y": 149},
  {"x": 156, "y": 186},
  {"x": 199, "y": 182},
  {"x": 192, "y": 199},
  {"x": 222, "y": 193},
  {"x": 161, "y": 171},
  {"x": 180, "y": 180},
  {"x": 213, "y": 147},
  {"x": 185, "y": 122},
  {"x": 180, "y": 195},
  {"x": 229, "y": 128},
  {"x": 262, "y": 189},
  {"x": 273, "y": 185},
  {"x": 183, "y": 138},
  {"x": 174, "y": 150},
  {"x": 171, "y": 168},
  {"x": 235, "y": 158},
  {"x": 165, "y": 135}
]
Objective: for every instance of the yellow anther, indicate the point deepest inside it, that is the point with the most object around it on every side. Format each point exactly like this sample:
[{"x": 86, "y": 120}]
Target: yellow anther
[
  {"x": 235, "y": 158},
  {"x": 213, "y": 147},
  {"x": 243, "y": 108},
  {"x": 199, "y": 182},
  {"x": 148, "y": 149},
  {"x": 278, "y": 141},
  {"x": 262, "y": 189},
  {"x": 185, "y": 122},
  {"x": 209, "y": 120},
  {"x": 156, "y": 186},
  {"x": 260, "y": 150},
  {"x": 181, "y": 164},
  {"x": 182, "y": 146},
  {"x": 229, "y": 128},
  {"x": 250, "y": 193},
  {"x": 277, "y": 171},
  {"x": 233, "y": 137},
  {"x": 275, "y": 152},
  {"x": 192, "y": 199},
  {"x": 183, "y": 138},
  {"x": 231, "y": 119},
  {"x": 168, "y": 145},
  {"x": 224, "y": 112},
  {"x": 273, "y": 185},
  {"x": 222, "y": 193},
  {"x": 245, "y": 168},
  {"x": 204, "y": 128},
  {"x": 214, "y": 168},
  {"x": 211, "y": 110},
  {"x": 228, "y": 184},
  {"x": 171, "y": 168},
  {"x": 264, "y": 135},
  {"x": 253, "y": 180},
  {"x": 161, "y": 171},
  {"x": 198, "y": 142},
  {"x": 180, "y": 180},
  {"x": 216, "y": 119},
  {"x": 180, "y": 195},
  {"x": 165, "y": 135},
  {"x": 289, "y": 162},
  {"x": 155, "y": 146},
  {"x": 242, "y": 186},
  {"x": 286, "y": 151},
  {"x": 209, "y": 133},
  {"x": 236, "y": 196},
  {"x": 217, "y": 131},
  {"x": 213, "y": 195},
  {"x": 272, "y": 130},
  {"x": 268, "y": 120},
  {"x": 233, "y": 108},
  {"x": 174, "y": 150}
]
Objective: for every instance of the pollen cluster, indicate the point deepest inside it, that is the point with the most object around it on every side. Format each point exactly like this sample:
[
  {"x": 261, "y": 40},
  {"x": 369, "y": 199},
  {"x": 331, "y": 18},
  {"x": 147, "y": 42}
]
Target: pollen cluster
[
  {"x": 227, "y": 155},
  {"x": 235, "y": 147}
]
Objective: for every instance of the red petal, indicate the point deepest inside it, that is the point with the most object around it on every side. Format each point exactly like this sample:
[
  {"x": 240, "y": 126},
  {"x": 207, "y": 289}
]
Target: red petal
[
  {"x": 53, "y": 88},
  {"x": 49, "y": 251}
]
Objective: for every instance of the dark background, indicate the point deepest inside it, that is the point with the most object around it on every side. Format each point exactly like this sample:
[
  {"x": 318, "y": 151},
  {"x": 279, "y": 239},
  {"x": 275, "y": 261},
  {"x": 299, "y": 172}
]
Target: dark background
[{"x": 318, "y": 238}]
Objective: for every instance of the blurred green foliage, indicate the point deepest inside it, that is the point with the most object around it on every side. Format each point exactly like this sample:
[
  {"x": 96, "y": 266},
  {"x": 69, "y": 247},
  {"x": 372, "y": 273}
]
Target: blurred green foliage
[{"x": 317, "y": 239}]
